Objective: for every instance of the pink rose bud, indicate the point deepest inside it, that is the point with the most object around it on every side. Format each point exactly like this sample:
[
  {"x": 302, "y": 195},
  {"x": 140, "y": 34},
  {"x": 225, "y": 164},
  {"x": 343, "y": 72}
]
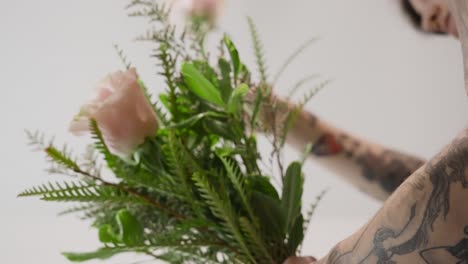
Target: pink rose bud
[
  {"x": 122, "y": 113},
  {"x": 209, "y": 9}
]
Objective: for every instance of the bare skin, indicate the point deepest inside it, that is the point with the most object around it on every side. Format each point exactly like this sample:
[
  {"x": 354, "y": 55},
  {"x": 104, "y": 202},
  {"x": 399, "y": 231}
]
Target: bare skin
[
  {"x": 425, "y": 220},
  {"x": 435, "y": 16}
]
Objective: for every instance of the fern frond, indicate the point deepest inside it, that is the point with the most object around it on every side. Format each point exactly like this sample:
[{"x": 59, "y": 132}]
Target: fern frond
[
  {"x": 80, "y": 192},
  {"x": 293, "y": 56},
  {"x": 77, "y": 209},
  {"x": 90, "y": 161},
  {"x": 300, "y": 83},
  {"x": 309, "y": 95},
  {"x": 122, "y": 57},
  {"x": 37, "y": 140},
  {"x": 237, "y": 180},
  {"x": 221, "y": 208},
  {"x": 258, "y": 49},
  {"x": 178, "y": 161},
  {"x": 165, "y": 35},
  {"x": 62, "y": 158},
  {"x": 101, "y": 146},
  {"x": 151, "y": 35},
  {"x": 174, "y": 161},
  {"x": 135, "y": 3},
  {"x": 162, "y": 116},
  {"x": 312, "y": 208},
  {"x": 289, "y": 122},
  {"x": 71, "y": 189},
  {"x": 168, "y": 64},
  {"x": 255, "y": 240},
  {"x": 151, "y": 9}
]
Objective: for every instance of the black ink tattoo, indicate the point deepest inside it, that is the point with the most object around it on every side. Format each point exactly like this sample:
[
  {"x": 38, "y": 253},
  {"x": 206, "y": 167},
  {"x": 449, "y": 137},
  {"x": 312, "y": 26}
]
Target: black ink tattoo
[
  {"x": 443, "y": 172},
  {"x": 450, "y": 169},
  {"x": 457, "y": 253},
  {"x": 327, "y": 145},
  {"x": 389, "y": 168}
]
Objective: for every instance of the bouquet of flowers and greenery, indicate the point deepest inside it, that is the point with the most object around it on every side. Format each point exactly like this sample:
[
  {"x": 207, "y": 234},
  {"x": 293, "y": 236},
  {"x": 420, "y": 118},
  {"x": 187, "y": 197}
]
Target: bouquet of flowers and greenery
[{"x": 187, "y": 184}]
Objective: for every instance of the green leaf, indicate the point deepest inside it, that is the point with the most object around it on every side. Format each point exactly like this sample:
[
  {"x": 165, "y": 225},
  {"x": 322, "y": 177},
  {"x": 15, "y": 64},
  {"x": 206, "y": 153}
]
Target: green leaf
[
  {"x": 207, "y": 71},
  {"x": 262, "y": 184},
  {"x": 235, "y": 101},
  {"x": 102, "y": 253},
  {"x": 220, "y": 128},
  {"x": 225, "y": 81},
  {"x": 130, "y": 230},
  {"x": 200, "y": 86},
  {"x": 296, "y": 235},
  {"x": 270, "y": 215},
  {"x": 236, "y": 63},
  {"x": 229, "y": 151},
  {"x": 107, "y": 235},
  {"x": 292, "y": 194},
  {"x": 194, "y": 119}
]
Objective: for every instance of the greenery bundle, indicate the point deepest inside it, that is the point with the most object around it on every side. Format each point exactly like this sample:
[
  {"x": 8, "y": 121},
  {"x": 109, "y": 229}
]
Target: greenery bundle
[{"x": 194, "y": 191}]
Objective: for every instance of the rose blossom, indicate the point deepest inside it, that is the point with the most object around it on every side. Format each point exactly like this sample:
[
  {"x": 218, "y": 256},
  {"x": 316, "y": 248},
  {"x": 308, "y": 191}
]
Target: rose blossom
[
  {"x": 208, "y": 9},
  {"x": 122, "y": 112}
]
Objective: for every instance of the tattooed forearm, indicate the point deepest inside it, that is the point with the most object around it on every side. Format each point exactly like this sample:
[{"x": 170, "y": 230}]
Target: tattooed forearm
[
  {"x": 372, "y": 168},
  {"x": 386, "y": 167},
  {"x": 425, "y": 221}
]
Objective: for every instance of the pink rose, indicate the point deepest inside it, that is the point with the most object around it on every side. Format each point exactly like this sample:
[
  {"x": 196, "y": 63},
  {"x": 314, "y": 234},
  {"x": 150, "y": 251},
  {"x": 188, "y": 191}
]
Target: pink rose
[
  {"x": 208, "y": 9},
  {"x": 121, "y": 111}
]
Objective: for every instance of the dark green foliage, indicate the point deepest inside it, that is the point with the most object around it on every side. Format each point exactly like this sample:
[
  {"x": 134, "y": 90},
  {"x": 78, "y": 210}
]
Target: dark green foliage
[
  {"x": 193, "y": 192},
  {"x": 130, "y": 231},
  {"x": 292, "y": 194}
]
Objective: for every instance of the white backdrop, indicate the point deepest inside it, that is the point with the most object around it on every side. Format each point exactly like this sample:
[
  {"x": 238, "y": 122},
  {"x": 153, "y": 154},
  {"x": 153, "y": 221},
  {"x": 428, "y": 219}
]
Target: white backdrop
[{"x": 392, "y": 85}]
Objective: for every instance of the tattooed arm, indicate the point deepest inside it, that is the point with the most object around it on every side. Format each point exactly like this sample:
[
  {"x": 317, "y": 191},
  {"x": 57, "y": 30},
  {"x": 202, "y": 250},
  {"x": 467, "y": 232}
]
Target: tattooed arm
[
  {"x": 374, "y": 169},
  {"x": 424, "y": 221}
]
